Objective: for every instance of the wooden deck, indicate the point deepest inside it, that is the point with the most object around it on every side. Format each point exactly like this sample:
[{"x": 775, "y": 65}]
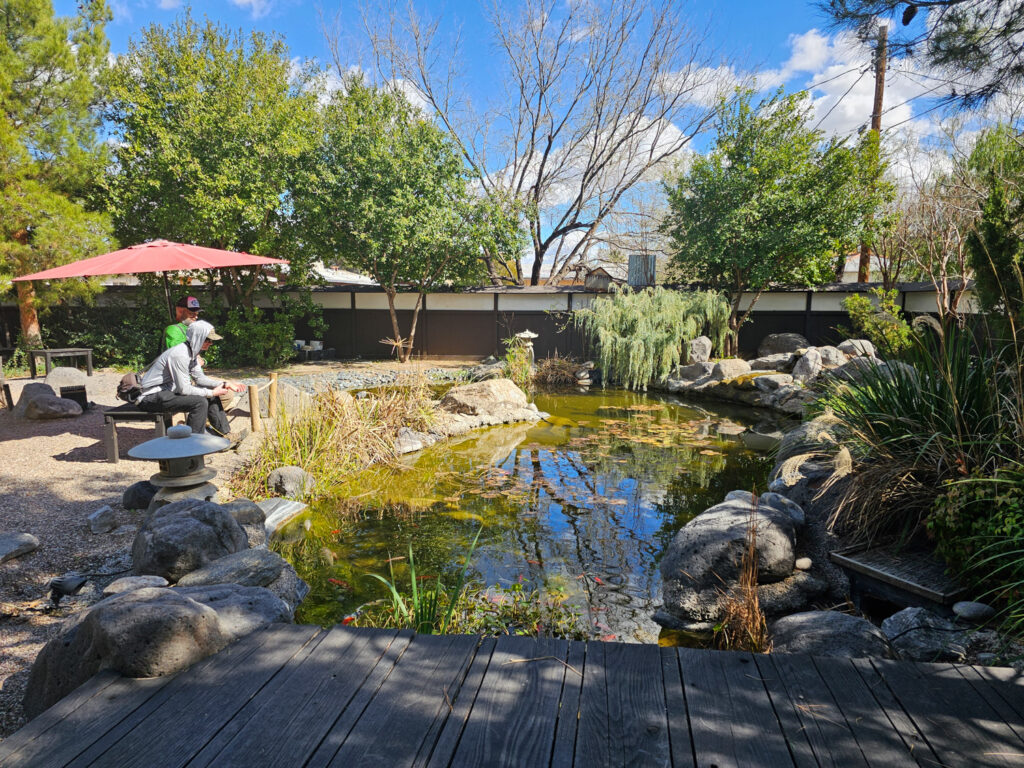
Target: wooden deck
[{"x": 300, "y": 696}]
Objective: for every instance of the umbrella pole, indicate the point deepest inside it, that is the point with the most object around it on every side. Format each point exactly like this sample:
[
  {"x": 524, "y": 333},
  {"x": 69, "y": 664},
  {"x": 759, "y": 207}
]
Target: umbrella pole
[{"x": 167, "y": 295}]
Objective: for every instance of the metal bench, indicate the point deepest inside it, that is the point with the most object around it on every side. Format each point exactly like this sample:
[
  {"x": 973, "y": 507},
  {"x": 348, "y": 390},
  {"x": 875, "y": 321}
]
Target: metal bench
[{"x": 129, "y": 412}]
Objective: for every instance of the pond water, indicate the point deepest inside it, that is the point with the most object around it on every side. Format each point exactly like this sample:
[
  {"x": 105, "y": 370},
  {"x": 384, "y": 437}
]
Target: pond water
[{"x": 580, "y": 506}]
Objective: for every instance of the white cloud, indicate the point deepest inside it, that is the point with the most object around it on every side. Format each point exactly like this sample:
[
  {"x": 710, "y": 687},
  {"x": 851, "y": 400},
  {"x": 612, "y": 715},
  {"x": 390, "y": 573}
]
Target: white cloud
[
  {"x": 257, "y": 8},
  {"x": 169, "y": 5}
]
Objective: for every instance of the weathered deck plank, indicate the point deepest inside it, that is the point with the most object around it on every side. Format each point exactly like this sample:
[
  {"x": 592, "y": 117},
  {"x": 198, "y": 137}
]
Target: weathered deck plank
[{"x": 300, "y": 696}]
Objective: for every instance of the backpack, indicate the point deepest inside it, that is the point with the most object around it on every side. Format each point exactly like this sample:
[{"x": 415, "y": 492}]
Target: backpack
[{"x": 129, "y": 388}]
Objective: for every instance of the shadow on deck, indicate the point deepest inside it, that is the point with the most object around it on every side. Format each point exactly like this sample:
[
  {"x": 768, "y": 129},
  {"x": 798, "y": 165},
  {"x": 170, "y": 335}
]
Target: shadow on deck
[{"x": 301, "y": 696}]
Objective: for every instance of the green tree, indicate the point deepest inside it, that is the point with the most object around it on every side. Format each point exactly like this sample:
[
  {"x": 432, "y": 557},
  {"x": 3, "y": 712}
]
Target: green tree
[
  {"x": 211, "y": 126},
  {"x": 976, "y": 42},
  {"x": 50, "y": 157},
  {"x": 772, "y": 202},
  {"x": 392, "y": 197}
]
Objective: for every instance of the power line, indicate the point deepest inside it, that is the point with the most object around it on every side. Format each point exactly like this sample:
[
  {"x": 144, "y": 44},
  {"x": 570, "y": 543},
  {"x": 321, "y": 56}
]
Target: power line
[
  {"x": 914, "y": 117},
  {"x": 845, "y": 94},
  {"x": 830, "y": 79}
]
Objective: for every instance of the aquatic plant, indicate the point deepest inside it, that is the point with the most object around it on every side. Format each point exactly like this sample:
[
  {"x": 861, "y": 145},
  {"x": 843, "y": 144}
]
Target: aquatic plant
[{"x": 640, "y": 334}]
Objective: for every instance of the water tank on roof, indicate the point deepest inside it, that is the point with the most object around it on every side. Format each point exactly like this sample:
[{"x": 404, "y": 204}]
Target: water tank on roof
[{"x": 641, "y": 270}]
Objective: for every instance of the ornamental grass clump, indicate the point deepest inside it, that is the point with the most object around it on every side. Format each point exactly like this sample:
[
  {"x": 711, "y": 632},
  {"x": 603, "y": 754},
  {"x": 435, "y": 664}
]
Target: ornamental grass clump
[
  {"x": 743, "y": 626},
  {"x": 640, "y": 335}
]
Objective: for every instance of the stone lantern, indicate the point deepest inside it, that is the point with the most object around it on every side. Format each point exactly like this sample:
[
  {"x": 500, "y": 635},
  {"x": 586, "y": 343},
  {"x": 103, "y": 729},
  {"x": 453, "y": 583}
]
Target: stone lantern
[
  {"x": 183, "y": 472},
  {"x": 526, "y": 339}
]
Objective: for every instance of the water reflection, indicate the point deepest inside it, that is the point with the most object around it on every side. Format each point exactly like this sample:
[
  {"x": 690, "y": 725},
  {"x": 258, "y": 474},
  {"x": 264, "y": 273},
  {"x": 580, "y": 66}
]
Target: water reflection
[{"x": 581, "y": 505}]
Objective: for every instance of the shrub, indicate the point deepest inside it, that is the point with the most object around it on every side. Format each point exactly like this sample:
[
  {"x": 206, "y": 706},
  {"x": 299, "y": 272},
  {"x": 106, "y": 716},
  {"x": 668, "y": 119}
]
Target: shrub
[
  {"x": 882, "y": 325},
  {"x": 517, "y": 363},
  {"x": 556, "y": 372},
  {"x": 640, "y": 335}
]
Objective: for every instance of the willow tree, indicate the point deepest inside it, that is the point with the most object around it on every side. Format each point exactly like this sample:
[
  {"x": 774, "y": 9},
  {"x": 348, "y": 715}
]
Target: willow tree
[{"x": 640, "y": 334}]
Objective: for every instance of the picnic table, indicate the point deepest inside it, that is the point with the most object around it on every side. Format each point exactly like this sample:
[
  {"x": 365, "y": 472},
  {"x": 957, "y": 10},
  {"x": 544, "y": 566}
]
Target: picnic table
[{"x": 48, "y": 356}]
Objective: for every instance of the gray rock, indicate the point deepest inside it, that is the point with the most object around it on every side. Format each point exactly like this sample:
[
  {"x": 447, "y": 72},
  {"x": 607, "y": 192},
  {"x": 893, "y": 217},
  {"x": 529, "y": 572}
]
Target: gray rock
[
  {"x": 131, "y": 583},
  {"x": 279, "y": 512},
  {"x": 29, "y": 392},
  {"x": 920, "y": 635},
  {"x": 13, "y": 544},
  {"x": 144, "y": 633},
  {"x": 66, "y": 376},
  {"x": 812, "y": 436},
  {"x": 782, "y": 361},
  {"x": 807, "y": 367},
  {"x": 790, "y": 595},
  {"x": 786, "y": 505},
  {"x": 729, "y": 368},
  {"x": 291, "y": 482},
  {"x": 693, "y": 371},
  {"x": 703, "y": 560},
  {"x": 803, "y": 564},
  {"x": 240, "y": 610},
  {"x": 776, "y": 343},
  {"x": 252, "y": 568},
  {"x": 772, "y": 382},
  {"x": 103, "y": 520},
  {"x": 484, "y": 398},
  {"x": 744, "y": 496},
  {"x": 251, "y": 517},
  {"x": 761, "y": 441},
  {"x": 856, "y": 369},
  {"x": 138, "y": 495},
  {"x": 45, "y": 407},
  {"x": 410, "y": 441},
  {"x": 857, "y": 348},
  {"x": 829, "y": 633},
  {"x": 179, "y": 538},
  {"x": 832, "y": 356},
  {"x": 973, "y": 612},
  {"x": 699, "y": 350}
]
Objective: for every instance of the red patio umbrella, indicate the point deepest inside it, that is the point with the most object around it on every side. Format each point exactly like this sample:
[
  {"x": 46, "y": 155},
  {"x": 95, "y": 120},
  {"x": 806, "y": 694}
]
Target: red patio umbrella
[{"x": 155, "y": 256}]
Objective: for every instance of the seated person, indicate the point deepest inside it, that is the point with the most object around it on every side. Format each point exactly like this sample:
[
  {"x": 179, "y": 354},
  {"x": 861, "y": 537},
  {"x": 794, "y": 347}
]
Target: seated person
[
  {"x": 175, "y": 382},
  {"x": 186, "y": 312}
]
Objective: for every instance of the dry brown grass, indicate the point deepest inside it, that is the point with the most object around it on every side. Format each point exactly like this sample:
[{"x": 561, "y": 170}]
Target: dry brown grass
[
  {"x": 743, "y": 626},
  {"x": 556, "y": 372}
]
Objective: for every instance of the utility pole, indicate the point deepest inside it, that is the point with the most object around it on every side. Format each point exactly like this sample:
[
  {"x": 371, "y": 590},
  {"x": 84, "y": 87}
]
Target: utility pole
[{"x": 864, "y": 267}]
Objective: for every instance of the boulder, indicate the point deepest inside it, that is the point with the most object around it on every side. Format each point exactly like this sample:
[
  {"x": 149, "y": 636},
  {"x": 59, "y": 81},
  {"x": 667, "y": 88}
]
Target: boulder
[
  {"x": 790, "y": 595},
  {"x": 832, "y": 356},
  {"x": 829, "y": 633},
  {"x": 857, "y": 348},
  {"x": 973, "y": 612},
  {"x": 45, "y": 407},
  {"x": 14, "y": 544},
  {"x": 773, "y": 381},
  {"x": 179, "y": 538},
  {"x": 703, "y": 560},
  {"x": 145, "y": 633},
  {"x": 103, "y": 520},
  {"x": 744, "y": 496},
  {"x": 240, "y": 610},
  {"x": 921, "y": 635},
  {"x": 29, "y": 393},
  {"x": 776, "y": 343},
  {"x": 484, "y": 398},
  {"x": 138, "y": 495},
  {"x": 855, "y": 369},
  {"x": 812, "y": 436},
  {"x": 252, "y": 568},
  {"x": 783, "y": 361},
  {"x": 786, "y": 505},
  {"x": 729, "y": 368},
  {"x": 131, "y": 583},
  {"x": 66, "y": 376},
  {"x": 251, "y": 517},
  {"x": 808, "y": 366},
  {"x": 699, "y": 350},
  {"x": 291, "y": 482},
  {"x": 693, "y": 371},
  {"x": 410, "y": 441}
]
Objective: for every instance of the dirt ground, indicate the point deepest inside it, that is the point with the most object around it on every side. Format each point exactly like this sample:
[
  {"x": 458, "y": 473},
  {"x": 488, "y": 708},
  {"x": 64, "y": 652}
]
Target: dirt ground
[{"x": 53, "y": 475}]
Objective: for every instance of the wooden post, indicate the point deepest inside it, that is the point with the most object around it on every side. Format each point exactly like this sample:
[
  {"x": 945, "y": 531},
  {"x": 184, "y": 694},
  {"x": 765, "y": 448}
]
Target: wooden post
[
  {"x": 272, "y": 397},
  {"x": 254, "y": 408}
]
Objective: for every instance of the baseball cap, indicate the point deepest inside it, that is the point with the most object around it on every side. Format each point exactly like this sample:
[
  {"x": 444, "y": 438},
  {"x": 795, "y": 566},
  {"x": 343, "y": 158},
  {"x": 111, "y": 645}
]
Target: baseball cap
[
  {"x": 191, "y": 303},
  {"x": 213, "y": 336}
]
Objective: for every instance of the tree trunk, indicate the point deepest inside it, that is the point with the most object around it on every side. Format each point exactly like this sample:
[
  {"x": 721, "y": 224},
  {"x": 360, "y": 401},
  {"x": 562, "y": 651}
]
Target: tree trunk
[
  {"x": 399, "y": 342},
  {"x": 407, "y": 351},
  {"x": 31, "y": 333}
]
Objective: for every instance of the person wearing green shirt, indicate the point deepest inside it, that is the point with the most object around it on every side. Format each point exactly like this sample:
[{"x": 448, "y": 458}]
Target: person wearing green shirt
[{"x": 186, "y": 311}]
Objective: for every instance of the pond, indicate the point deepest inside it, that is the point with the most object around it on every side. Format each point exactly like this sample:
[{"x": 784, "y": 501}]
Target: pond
[{"x": 580, "y": 506}]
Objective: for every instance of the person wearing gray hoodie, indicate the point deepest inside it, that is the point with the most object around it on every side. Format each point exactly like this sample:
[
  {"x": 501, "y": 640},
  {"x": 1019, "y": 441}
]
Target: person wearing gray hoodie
[{"x": 175, "y": 383}]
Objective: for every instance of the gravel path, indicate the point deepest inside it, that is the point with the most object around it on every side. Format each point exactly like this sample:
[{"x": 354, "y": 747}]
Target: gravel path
[{"x": 54, "y": 474}]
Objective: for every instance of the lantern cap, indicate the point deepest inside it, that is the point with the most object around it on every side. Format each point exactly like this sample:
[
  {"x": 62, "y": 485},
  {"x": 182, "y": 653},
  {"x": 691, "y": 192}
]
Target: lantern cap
[
  {"x": 527, "y": 334},
  {"x": 179, "y": 443}
]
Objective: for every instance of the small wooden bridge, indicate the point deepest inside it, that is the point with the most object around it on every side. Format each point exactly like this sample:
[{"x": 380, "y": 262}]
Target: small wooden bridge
[{"x": 301, "y": 696}]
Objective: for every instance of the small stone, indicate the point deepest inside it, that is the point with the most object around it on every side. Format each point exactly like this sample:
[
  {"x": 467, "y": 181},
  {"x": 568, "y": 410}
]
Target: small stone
[
  {"x": 14, "y": 545},
  {"x": 803, "y": 564},
  {"x": 973, "y": 612},
  {"x": 131, "y": 583},
  {"x": 103, "y": 520}
]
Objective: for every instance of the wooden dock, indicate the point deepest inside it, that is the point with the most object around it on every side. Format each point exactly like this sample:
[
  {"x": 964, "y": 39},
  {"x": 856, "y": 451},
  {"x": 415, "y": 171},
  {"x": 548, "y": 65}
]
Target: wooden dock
[{"x": 301, "y": 696}]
